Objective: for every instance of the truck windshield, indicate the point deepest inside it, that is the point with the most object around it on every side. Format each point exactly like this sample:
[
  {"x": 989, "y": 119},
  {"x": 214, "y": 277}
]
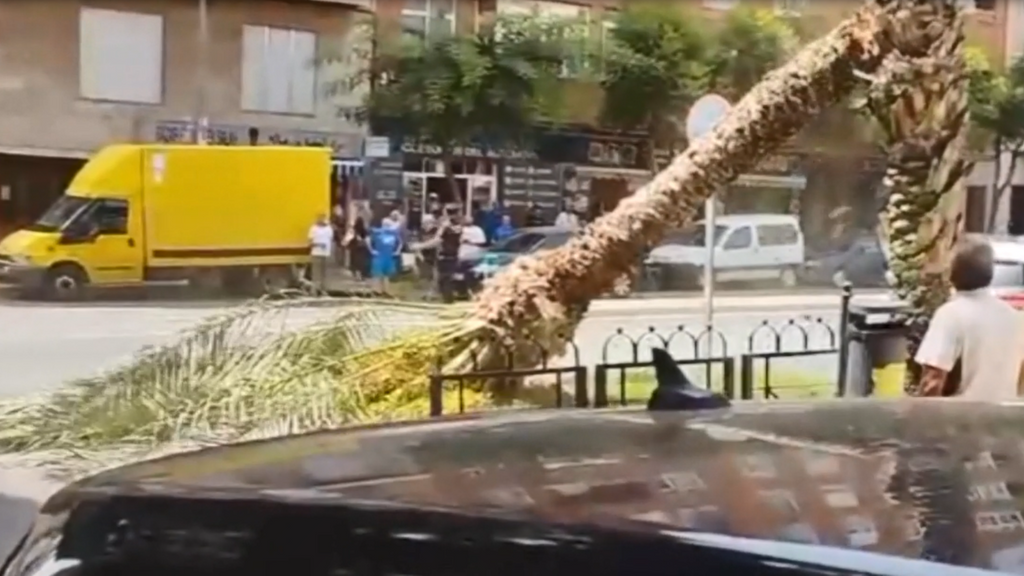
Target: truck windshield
[{"x": 59, "y": 214}]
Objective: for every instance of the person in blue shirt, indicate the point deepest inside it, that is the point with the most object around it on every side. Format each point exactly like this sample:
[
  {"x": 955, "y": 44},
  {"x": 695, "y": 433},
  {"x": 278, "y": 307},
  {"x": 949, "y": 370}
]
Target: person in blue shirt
[
  {"x": 385, "y": 247},
  {"x": 505, "y": 229}
]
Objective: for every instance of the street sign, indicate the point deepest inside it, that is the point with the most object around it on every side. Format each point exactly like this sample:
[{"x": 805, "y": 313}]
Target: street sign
[
  {"x": 377, "y": 147},
  {"x": 705, "y": 114}
]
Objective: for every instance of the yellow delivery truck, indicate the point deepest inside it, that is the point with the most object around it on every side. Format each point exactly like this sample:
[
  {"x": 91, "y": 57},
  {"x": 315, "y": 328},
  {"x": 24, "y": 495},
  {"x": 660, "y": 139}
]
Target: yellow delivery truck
[{"x": 236, "y": 217}]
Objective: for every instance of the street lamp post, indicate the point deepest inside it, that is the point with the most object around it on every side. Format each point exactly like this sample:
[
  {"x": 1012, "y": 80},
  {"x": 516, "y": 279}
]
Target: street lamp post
[{"x": 203, "y": 44}]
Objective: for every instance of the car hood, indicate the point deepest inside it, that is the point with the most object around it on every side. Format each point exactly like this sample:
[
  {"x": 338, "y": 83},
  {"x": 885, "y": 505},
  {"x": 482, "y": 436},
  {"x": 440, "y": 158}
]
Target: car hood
[
  {"x": 855, "y": 473},
  {"x": 26, "y": 243}
]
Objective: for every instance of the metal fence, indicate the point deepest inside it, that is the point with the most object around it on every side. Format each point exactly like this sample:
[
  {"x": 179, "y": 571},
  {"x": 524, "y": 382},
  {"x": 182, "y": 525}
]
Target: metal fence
[{"x": 623, "y": 374}]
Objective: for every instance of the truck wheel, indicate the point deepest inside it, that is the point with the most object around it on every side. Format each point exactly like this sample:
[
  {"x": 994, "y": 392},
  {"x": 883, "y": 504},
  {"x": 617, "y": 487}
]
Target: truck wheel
[{"x": 65, "y": 282}]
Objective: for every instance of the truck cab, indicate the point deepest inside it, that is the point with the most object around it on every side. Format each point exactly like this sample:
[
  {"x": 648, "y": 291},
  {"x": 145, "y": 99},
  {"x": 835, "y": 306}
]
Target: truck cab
[
  {"x": 231, "y": 217},
  {"x": 91, "y": 235}
]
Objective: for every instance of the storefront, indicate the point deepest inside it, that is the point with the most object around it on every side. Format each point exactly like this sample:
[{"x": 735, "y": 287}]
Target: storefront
[{"x": 31, "y": 180}]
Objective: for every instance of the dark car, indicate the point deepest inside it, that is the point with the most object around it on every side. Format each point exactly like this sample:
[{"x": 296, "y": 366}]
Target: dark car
[
  {"x": 861, "y": 263},
  {"x": 492, "y": 259},
  {"x": 831, "y": 487}
]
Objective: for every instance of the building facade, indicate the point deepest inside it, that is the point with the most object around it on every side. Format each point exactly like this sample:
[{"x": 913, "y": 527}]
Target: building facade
[{"x": 76, "y": 75}]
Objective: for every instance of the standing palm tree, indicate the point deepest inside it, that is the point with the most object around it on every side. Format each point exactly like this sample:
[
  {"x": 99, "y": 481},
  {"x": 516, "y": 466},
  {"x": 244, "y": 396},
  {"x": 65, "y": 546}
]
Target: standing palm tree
[{"x": 920, "y": 100}]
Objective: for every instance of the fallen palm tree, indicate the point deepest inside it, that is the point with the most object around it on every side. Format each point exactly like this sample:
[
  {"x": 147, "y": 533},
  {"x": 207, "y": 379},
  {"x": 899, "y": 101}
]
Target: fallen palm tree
[{"x": 530, "y": 310}]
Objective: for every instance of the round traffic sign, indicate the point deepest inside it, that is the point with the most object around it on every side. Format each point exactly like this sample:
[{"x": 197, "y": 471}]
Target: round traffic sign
[{"x": 705, "y": 114}]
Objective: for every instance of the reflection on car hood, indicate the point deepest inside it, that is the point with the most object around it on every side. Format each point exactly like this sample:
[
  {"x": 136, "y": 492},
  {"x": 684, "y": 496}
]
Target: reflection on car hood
[{"x": 935, "y": 478}]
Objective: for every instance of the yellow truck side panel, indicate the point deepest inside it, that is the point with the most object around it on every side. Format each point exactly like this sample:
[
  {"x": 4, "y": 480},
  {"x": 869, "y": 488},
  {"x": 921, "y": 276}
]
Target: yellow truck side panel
[{"x": 223, "y": 205}]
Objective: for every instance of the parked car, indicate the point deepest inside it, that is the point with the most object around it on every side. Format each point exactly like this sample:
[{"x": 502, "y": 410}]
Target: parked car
[
  {"x": 525, "y": 241},
  {"x": 748, "y": 247},
  {"x": 861, "y": 263},
  {"x": 842, "y": 488}
]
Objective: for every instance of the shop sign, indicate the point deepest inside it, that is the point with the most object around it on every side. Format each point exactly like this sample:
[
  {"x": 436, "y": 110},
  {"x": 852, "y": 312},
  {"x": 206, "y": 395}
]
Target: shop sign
[
  {"x": 427, "y": 149},
  {"x": 181, "y": 131}
]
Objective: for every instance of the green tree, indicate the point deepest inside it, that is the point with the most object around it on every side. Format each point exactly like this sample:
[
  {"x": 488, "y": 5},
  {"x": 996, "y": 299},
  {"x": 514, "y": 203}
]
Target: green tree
[
  {"x": 997, "y": 109},
  {"x": 454, "y": 91},
  {"x": 750, "y": 43},
  {"x": 654, "y": 66}
]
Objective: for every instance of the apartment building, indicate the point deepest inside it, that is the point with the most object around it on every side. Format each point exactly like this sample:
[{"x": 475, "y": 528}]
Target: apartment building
[{"x": 78, "y": 74}]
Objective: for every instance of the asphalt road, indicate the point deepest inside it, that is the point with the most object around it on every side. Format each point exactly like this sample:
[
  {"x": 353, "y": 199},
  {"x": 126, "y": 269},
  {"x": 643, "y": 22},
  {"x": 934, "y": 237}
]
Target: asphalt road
[{"x": 44, "y": 345}]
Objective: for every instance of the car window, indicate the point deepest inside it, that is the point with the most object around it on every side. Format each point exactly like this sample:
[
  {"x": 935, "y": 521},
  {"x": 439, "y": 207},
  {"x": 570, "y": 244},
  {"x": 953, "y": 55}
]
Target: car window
[
  {"x": 111, "y": 216},
  {"x": 555, "y": 240},
  {"x": 1008, "y": 274},
  {"x": 692, "y": 237},
  {"x": 518, "y": 244},
  {"x": 777, "y": 235},
  {"x": 739, "y": 239}
]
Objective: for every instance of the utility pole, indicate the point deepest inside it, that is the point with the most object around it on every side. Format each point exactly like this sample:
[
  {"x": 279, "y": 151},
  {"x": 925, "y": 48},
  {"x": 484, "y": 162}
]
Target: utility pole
[{"x": 200, "y": 119}]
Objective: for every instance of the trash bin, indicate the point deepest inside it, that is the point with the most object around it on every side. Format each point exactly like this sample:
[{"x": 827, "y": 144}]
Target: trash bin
[{"x": 876, "y": 348}]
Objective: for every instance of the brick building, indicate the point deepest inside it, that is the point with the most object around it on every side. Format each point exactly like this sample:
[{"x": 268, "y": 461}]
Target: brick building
[{"x": 78, "y": 74}]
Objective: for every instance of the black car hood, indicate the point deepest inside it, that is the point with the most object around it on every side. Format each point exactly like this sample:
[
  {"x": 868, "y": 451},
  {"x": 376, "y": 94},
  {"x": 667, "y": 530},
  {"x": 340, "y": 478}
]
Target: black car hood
[{"x": 900, "y": 477}]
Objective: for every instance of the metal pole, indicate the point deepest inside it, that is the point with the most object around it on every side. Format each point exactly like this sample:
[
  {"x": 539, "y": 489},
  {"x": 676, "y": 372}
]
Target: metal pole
[
  {"x": 709, "y": 269},
  {"x": 202, "y": 122}
]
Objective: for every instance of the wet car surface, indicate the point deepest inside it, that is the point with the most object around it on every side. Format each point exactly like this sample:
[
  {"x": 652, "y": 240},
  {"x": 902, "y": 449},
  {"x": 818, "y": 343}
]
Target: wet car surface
[{"x": 932, "y": 479}]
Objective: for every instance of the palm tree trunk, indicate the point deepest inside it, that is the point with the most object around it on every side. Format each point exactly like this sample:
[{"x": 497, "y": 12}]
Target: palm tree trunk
[
  {"x": 541, "y": 300},
  {"x": 921, "y": 105}
]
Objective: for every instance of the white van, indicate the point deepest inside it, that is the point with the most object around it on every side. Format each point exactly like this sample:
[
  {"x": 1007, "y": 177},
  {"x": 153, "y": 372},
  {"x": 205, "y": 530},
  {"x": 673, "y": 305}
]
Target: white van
[{"x": 748, "y": 247}]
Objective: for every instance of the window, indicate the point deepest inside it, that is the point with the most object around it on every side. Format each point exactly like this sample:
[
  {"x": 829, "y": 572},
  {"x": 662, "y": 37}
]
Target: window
[
  {"x": 758, "y": 465},
  {"x": 984, "y": 461},
  {"x": 777, "y": 235},
  {"x": 554, "y": 241},
  {"x": 278, "y": 70},
  {"x": 860, "y": 531},
  {"x": 839, "y": 496},
  {"x": 577, "y": 16},
  {"x": 694, "y": 237},
  {"x": 782, "y": 501},
  {"x": 989, "y": 492},
  {"x": 681, "y": 482},
  {"x": 111, "y": 217},
  {"x": 819, "y": 464},
  {"x": 739, "y": 239},
  {"x": 120, "y": 56},
  {"x": 1008, "y": 274},
  {"x": 518, "y": 244},
  {"x": 421, "y": 18},
  {"x": 999, "y": 521},
  {"x": 721, "y": 4},
  {"x": 802, "y": 533},
  {"x": 790, "y": 6}
]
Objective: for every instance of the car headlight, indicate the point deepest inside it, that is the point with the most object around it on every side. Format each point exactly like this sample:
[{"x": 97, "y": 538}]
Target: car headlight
[{"x": 19, "y": 260}]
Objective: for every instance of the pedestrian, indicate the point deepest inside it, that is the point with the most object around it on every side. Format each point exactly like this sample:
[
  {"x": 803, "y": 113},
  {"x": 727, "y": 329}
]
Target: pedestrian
[
  {"x": 505, "y": 229},
  {"x": 535, "y": 216},
  {"x": 321, "y": 240},
  {"x": 338, "y": 223},
  {"x": 975, "y": 329},
  {"x": 567, "y": 219},
  {"x": 358, "y": 249},
  {"x": 385, "y": 248}
]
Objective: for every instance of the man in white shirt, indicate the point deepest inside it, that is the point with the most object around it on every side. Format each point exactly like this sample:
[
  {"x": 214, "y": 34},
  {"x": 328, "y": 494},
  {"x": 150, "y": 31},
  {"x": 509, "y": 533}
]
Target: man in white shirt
[
  {"x": 567, "y": 220},
  {"x": 975, "y": 327},
  {"x": 473, "y": 239},
  {"x": 321, "y": 239}
]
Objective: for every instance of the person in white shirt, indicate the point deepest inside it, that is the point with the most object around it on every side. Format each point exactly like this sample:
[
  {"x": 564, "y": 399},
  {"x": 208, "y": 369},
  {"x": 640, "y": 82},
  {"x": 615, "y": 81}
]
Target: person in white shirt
[
  {"x": 567, "y": 220},
  {"x": 473, "y": 238},
  {"x": 976, "y": 328},
  {"x": 321, "y": 240}
]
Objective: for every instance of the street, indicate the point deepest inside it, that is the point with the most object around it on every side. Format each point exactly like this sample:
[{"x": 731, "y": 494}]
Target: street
[{"x": 43, "y": 345}]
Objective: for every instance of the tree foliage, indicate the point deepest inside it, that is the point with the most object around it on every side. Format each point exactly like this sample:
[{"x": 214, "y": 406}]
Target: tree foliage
[
  {"x": 660, "y": 58},
  {"x": 491, "y": 87},
  {"x": 997, "y": 109},
  {"x": 655, "y": 66}
]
